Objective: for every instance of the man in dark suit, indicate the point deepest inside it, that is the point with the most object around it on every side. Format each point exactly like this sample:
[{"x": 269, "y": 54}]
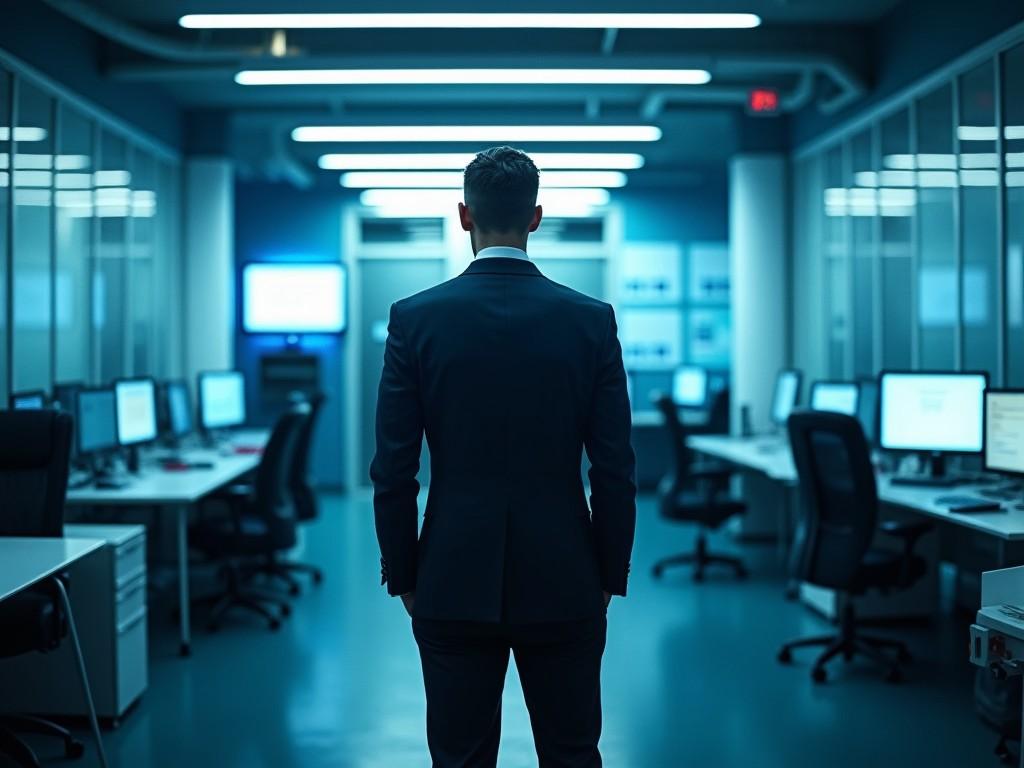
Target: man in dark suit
[{"x": 511, "y": 376}]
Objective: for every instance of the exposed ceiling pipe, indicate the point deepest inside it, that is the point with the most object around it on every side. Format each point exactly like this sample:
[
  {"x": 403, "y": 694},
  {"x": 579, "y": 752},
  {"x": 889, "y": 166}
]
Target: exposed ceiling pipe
[
  {"x": 849, "y": 84},
  {"x": 146, "y": 42}
]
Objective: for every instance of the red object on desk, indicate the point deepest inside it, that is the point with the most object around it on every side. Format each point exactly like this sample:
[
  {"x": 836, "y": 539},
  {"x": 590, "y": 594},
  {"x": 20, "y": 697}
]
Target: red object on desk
[
  {"x": 247, "y": 450},
  {"x": 176, "y": 466}
]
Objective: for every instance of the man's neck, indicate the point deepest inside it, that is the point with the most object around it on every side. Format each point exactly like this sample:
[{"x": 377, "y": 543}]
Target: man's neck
[{"x": 499, "y": 242}]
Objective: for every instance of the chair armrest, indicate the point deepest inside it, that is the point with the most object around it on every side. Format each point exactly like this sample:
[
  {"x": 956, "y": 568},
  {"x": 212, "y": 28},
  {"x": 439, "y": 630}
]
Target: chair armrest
[
  {"x": 909, "y": 532},
  {"x": 711, "y": 471}
]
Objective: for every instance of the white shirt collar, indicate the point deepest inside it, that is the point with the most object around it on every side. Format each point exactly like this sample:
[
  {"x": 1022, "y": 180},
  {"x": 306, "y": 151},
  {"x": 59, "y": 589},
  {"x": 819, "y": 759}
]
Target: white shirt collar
[{"x": 502, "y": 252}]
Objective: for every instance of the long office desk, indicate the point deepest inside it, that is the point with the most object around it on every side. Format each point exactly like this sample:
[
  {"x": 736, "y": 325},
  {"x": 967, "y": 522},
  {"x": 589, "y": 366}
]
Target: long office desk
[
  {"x": 771, "y": 457},
  {"x": 179, "y": 491},
  {"x": 25, "y": 562}
]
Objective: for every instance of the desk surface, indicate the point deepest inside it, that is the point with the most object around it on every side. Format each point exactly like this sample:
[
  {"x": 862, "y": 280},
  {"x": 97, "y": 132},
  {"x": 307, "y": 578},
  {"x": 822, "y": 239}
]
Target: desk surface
[
  {"x": 155, "y": 485},
  {"x": 24, "y": 561},
  {"x": 773, "y": 458}
]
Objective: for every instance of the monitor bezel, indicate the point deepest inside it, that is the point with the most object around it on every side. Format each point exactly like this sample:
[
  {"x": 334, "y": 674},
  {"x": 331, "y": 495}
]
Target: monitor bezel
[
  {"x": 826, "y": 382},
  {"x": 876, "y": 415},
  {"x": 156, "y": 416},
  {"x": 984, "y": 430},
  {"x": 245, "y": 299},
  {"x": 707, "y": 386},
  {"x": 28, "y": 393},
  {"x": 78, "y": 431},
  {"x": 929, "y": 451},
  {"x": 200, "y": 423},
  {"x": 796, "y": 396}
]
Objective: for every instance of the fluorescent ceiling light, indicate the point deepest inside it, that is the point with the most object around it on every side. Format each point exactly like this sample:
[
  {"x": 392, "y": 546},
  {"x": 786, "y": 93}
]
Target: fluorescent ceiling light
[
  {"x": 604, "y": 76},
  {"x": 453, "y": 179},
  {"x": 451, "y": 161},
  {"x": 469, "y": 21},
  {"x": 989, "y": 132},
  {"x": 23, "y": 133},
  {"x": 476, "y": 133},
  {"x": 112, "y": 178}
]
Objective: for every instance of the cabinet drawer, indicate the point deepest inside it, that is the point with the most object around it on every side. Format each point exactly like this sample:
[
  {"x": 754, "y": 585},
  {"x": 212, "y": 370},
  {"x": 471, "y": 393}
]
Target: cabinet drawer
[
  {"x": 129, "y": 560},
  {"x": 131, "y": 598},
  {"x": 132, "y": 672}
]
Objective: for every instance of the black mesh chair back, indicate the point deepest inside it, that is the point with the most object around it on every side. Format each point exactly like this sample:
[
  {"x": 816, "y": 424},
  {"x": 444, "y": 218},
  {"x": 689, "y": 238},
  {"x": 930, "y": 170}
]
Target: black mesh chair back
[
  {"x": 840, "y": 498},
  {"x": 302, "y": 494},
  {"x": 681, "y": 456},
  {"x": 718, "y": 413},
  {"x": 272, "y": 499},
  {"x": 35, "y": 450}
]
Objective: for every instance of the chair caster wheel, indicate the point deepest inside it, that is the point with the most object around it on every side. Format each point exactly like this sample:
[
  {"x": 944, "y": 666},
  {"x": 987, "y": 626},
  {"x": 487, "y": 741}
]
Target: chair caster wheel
[
  {"x": 656, "y": 572},
  {"x": 742, "y": 574},
  {"x": 819, "y": 675},
  {"x": 318, "y": 577},
  {"x": 904, "y": 656},
  {"x": 213, "y": 628},
  {"x": 894, "y": 675},
  {"x": 286, "y": 610},
  {"x": 274, "y": 624},
  {"x": 698, "y": 576},
  {"x": 73, "y": 749},
  {"x": 785, "y": 656},
  {"x": 294, "y": 591}
]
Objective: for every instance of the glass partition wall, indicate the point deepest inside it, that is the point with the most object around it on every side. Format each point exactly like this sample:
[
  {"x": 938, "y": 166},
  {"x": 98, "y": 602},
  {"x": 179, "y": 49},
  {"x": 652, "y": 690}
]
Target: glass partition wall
[
  {"x": 88, "y": 231},
  {"x": 916, "y": 216}
]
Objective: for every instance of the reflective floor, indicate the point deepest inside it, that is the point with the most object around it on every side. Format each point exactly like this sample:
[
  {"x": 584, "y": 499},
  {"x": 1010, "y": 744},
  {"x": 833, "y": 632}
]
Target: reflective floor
[{"x": 690, "y": 679}]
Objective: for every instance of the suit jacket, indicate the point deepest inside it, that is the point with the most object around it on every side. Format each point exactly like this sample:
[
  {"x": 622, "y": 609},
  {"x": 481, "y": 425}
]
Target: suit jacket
[{"x": 510, "y": 375}]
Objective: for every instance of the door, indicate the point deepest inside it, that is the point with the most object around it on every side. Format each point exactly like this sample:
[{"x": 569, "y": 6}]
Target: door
[{"x": 383, "y": 282}]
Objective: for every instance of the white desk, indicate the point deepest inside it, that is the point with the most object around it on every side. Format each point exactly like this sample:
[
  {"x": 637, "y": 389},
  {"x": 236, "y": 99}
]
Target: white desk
[
  {"x": 178, "y": 491},
  {"x": 28, "y": 561},
  {"x": 775, "y": 460}
]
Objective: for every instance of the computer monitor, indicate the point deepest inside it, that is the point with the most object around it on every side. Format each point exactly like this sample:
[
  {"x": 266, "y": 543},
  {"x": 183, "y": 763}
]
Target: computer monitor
[
  {"x": 221, "y": 400},
  {"x": 96, "y": 421},
  {"x": 835, "y": 396},
  {"x": 1004, "y": 431},
  {"x": 690, "y": 387},
  {"x": 867, "y": 408},
  {"x": 932, "y": 413},
  {"x": 136, "y": 411},
  {"x": 65, "y": 394},
  {"x": 179, "y": 408},
  {"x": 786, "y": 395},
  {"x": 34, "y": 400}
]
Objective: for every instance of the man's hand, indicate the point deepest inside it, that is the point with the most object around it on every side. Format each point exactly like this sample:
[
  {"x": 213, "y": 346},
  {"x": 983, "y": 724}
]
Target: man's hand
[
  {"x": 607, "y": 598},
  {"x": 408, "y": 600}
]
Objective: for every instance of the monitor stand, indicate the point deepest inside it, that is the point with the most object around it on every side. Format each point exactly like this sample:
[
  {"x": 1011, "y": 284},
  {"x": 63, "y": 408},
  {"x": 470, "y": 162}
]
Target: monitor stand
[{"x": 934, "y": 476}]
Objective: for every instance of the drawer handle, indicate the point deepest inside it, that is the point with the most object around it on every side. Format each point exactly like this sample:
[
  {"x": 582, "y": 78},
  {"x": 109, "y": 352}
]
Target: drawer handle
[
  {"x": 123, "y": 597},
  {"x": 132, "y": 622},
  {"x": 130, "y": 549}
]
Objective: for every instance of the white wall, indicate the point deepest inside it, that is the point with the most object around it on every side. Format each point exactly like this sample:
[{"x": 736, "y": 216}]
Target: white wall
[
  {"x": 209, "y": 275},
  {"x": 759, "y": 268}
]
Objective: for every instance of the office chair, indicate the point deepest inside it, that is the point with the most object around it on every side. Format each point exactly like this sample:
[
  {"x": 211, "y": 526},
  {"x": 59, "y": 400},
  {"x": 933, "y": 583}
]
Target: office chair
[
  {"x": 258, "y": 526},
  {"x": 35, "y": 448},
  {"x": 708, "y": 504},
  {"x": 832, "y": 544}
]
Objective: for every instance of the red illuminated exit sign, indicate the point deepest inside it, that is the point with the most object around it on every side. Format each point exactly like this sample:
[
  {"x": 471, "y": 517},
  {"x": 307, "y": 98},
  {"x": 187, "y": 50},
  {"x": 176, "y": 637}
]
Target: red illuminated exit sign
[{"x": 763, "y": 101}]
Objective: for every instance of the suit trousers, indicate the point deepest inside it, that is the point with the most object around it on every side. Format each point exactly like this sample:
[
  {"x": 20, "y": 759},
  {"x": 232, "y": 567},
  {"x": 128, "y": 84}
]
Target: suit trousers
[{"x": 559, "y": 665}]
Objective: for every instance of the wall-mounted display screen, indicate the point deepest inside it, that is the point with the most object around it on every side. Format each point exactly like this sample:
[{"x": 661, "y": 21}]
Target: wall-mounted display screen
[{"x": 294, "y": 298}]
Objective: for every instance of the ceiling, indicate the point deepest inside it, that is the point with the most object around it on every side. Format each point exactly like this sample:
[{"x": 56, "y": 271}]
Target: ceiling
[{"x": 813, "y": 51}]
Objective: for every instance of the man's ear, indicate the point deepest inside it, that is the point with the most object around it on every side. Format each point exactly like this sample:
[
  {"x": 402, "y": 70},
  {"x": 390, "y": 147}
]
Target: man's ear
[
  {"x": 538, "y": 214},
  {"x": 465, "y": 217}
]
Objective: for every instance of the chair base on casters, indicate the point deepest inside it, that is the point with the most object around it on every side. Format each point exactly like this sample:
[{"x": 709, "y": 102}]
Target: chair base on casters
[
  {"x": 700, "y": 559},
  {"x": 283, "y": 570},
  {"x": 849, "y": 643},
  {"x": 15, "y": 748},
  {"x": 238, "y": 594}
]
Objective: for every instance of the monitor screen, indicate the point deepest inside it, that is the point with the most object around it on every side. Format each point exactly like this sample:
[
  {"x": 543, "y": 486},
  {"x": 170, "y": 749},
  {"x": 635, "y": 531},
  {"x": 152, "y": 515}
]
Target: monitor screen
[
  {"x": 64, "y": 396},
  {"x": 787, "y": 392},
  {"x": 1004, "y": 431},
  {"x": 179, "y": 409},
  {"x": 935, "y": 412},
  {"x": 96, "y": 420},
  {"x": 293, "y": 298},
  {"x": 836, "y": 396},
  {"x": 28, "y": 401},
  {"x": 221, "y": 399},
  {"x": 690, "y": 387},
  {"x": 867, "y": 408},
  {"x": 136, "y": 411}
]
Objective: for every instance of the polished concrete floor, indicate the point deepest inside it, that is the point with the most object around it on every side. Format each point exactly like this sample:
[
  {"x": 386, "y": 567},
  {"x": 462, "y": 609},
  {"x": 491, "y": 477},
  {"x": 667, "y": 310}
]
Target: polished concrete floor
[{"x": 690, "y": 679}]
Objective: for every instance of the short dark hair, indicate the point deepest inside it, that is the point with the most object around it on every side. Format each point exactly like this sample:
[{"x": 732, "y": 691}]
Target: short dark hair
[{"x": 500, "y": 186}]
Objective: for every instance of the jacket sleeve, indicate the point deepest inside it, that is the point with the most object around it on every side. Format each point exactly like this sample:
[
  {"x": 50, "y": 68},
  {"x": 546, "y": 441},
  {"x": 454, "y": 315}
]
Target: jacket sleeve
[
  {"x": 613, "y": 466},
  {"x": 397, "y": 460}
]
